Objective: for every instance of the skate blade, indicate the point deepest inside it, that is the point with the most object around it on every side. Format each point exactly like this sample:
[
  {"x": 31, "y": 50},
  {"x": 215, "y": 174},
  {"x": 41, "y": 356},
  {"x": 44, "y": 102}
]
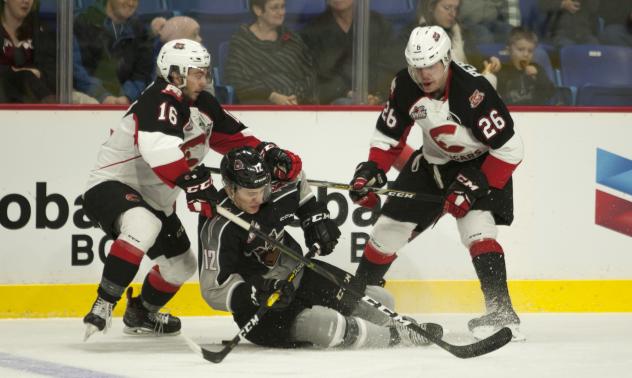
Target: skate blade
[
  {"x": 90, "y": 330},
  {"x": 484, "y": 332},
  {"x": 145, "y": 332}
]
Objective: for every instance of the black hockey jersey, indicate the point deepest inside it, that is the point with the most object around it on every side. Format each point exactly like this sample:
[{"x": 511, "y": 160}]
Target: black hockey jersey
[
  {"x": 162, "y": 136},
  {"x": 231, "y": 256},
  {"x": 468, "y": 121}
]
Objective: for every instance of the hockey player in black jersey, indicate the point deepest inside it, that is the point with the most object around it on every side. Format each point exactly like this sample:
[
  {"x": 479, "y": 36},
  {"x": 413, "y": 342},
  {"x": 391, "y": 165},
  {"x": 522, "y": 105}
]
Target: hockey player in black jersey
[
  {"x": 238, "y": 271},
  {"x": 470, "y": 150},
  {"x": 148, "y": 160}
]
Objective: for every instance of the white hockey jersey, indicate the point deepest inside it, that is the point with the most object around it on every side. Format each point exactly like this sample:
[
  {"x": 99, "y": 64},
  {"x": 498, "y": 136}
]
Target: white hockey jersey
[{"x": 161, "y": 137}]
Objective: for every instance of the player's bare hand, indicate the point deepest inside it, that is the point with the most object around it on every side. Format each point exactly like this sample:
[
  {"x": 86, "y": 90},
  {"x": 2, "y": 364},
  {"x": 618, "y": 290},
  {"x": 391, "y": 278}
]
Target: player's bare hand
[{"x": 571, "y": 6}]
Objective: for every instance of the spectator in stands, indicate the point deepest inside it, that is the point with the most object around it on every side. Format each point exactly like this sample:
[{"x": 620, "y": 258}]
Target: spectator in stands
[
  {"x": 177, "y": 27},
  {"x": 269, "y": 64},
  {"x": 570, "y": 22},
  {"x": 617, "y": 17},
  {"x": 445, "y": 13},
  {"x": 27, "y": 59},
  {"x": 521, "y": 81},
  {"x": 330, "y": 40},
  {"x": 488, "y": 21},
  {"x": 112, "y": 52}
]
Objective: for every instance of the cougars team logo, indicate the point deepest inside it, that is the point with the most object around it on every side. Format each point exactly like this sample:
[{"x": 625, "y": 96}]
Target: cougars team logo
[
  {"x": 179, "y": 46},
  {"x": 476, "y": 98},
  {"x": 436, "y": 36},
  {"x": 418, "y": 112}
]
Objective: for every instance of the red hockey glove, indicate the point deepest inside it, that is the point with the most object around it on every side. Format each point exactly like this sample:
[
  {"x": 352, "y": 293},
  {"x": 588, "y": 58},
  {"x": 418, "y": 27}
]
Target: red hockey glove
[
  {"x": 469, "y": 185},
  {"x": 198, "y": 187},
  {"x": 285, "y": 165},
  {"x": 366, "y": 174}
]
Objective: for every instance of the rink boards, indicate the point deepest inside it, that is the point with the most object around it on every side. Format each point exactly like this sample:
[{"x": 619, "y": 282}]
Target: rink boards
[{"x": 569, "y": 249}]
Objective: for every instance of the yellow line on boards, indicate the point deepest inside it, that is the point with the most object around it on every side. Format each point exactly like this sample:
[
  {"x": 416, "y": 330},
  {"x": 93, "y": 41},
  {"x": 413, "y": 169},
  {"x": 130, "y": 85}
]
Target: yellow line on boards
[{"x": 75, "y": 300}]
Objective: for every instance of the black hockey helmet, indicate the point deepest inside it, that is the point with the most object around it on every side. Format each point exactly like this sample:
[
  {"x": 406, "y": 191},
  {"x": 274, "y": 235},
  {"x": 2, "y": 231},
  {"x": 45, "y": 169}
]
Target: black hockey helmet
[{"x": 244, "y": 167}]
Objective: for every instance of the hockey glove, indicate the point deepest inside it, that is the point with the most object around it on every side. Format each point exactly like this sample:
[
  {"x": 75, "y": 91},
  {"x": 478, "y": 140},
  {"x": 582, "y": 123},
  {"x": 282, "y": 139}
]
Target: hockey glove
[
  {"x": 318, "y": 226},
  {"x": 469, "y": 185},
  {"x": 366, "y": 174},
  {"x": 198, "y": 187},
  {"x": 284, "y": 165},
  {"x": 267, "y": 286}
]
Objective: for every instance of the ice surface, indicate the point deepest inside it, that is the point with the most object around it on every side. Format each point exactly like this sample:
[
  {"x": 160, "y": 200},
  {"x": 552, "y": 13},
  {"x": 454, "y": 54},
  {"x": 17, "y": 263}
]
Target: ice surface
[{"x": 558, "y": 345}]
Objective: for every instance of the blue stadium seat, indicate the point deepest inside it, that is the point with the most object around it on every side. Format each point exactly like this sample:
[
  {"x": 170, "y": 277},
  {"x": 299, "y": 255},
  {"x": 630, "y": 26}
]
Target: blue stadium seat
[
  {"x": 221, "y": 59},
  {"x": 209, "y": 7},
  {"x": 598, "y": 75},
  {"x": 299, "y": 13},
  {"x": 219, "y": 19},
  {"x": 306, "y": 7},
  {"x": 399, "y": 12}
]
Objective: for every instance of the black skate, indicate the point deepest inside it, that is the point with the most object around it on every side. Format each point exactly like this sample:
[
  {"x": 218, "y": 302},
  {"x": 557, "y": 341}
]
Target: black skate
[
  {"x": 410, "y": 337},
  {"x": 490, "y": 323},
  {"x": 140, "y": 321},
  {"x": 99, "y": 318}
]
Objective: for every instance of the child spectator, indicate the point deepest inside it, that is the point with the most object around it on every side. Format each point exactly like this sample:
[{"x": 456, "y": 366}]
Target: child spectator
[
  {"x": 521, "y": 81},
  {"x": 27, "y": 56}
]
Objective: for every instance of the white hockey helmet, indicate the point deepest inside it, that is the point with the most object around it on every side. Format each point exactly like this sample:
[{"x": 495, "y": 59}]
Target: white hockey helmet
[
  {"x": 179, "y": 55},
  {"x": 428, "y": 45}
]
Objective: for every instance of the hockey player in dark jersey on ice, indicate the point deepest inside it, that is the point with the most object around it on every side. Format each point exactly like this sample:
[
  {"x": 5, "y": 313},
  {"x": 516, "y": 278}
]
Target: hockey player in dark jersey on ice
[
  {"x": 238, "y": 271},
  {"x": 148, "y": 160},
  {"x": 470, "y": 150}
]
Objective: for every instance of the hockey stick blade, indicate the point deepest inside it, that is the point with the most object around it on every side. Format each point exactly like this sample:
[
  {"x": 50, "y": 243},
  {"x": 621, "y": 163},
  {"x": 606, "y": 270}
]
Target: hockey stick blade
[
  {"x": 229, "y": 345},
  {"x": 481, "y": 347}
]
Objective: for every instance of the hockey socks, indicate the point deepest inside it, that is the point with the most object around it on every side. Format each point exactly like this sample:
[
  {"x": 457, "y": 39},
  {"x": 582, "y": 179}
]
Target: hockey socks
[
  {"x": 373, "y": 266},
  {"x": 120, "y": 268},
  {"x": 156, "y": 292}
]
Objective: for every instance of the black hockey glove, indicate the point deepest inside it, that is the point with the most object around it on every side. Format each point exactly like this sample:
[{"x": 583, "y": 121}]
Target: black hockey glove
[
  {"x": 469, "y": 185},
  {"x": 267, "y": 286},
  {"x": 366, "y": 174},
  {"x": 284, "y": 165},
  {"x": 318, "y": 226},
  {"x": 198, "y": 187}
]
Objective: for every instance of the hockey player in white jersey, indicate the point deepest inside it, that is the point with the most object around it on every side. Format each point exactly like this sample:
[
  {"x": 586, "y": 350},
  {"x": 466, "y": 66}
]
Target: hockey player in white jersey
[
  {"x": 148, "y": 160},
  {"x": 239, "y": 271},
  {"x": 470, "y": 150}
]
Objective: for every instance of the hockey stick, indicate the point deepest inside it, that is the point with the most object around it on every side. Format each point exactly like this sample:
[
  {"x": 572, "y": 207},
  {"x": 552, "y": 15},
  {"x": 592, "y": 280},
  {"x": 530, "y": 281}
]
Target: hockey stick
[
  {"x": 385, "y": 191},
  {"x": 484, "y": 346},
  {"x": 218, "y": 357}
]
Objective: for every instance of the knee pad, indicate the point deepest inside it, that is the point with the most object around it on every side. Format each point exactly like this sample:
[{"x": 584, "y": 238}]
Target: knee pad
[
  {"x": 176, "y": 270},
  {"x": 389, "y": 235},
  {"x": 321, "y": 326},
  {"x": 139, "y": 227},
  {"x": 475, "y": 226}
]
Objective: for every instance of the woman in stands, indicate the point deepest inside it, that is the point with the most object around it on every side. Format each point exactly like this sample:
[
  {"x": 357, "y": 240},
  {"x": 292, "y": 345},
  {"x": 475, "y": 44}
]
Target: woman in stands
[
  {"x": 27, "y": 61},
  {"x": 268, "y": 63}
]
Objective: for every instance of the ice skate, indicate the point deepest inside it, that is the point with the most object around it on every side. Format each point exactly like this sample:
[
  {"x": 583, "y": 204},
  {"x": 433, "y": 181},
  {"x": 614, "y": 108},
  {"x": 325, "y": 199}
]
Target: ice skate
[
  {"x": 99, "y": 318},
  {"x": 410, "y": 337},
  {"x": 490, "y": 323},
  {"x": 140, "y": 321}
]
